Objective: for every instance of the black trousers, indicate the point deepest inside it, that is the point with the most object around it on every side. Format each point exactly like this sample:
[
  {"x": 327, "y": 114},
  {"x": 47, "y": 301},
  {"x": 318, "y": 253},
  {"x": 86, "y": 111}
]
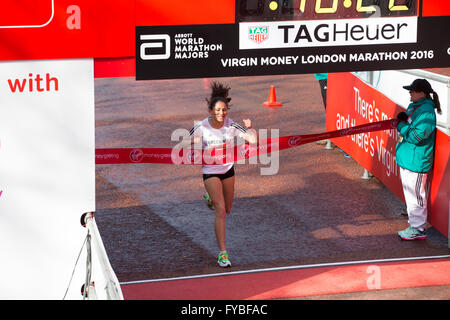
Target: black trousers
[{"x": 323, "y": 91}]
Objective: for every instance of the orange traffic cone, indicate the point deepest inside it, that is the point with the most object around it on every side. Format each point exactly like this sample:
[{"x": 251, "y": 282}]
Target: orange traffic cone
[{"x": 272, "y": 100}]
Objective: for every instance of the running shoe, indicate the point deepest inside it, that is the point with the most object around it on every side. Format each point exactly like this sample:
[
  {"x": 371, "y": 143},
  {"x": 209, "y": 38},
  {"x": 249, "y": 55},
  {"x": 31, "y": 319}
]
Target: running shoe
[
  {"x": 222, "y": 260},
  {"x": 208, "y": 201},
  {"x": 412, "y": 233},
  {"x": 346, "y": 155}
]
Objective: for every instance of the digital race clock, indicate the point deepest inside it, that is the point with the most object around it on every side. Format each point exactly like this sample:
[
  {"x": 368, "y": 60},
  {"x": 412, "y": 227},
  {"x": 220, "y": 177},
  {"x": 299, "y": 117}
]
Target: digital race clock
[
  {"x": 278, "y": 10},
  {"x": 270, "y": 37}
]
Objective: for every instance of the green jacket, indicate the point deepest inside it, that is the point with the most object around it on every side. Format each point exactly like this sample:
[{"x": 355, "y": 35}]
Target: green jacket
[
  {"x": 416, "y": 151},
  {"x": 321, "y": 76}
]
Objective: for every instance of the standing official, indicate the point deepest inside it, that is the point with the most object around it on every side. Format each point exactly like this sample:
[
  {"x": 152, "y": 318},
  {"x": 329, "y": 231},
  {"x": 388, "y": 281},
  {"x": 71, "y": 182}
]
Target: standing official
[{"x": 415, "y": 154}]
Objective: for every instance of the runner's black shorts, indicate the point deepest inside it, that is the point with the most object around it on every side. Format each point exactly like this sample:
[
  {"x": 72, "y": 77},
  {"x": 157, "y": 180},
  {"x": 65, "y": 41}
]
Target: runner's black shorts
[{"x": 221, "y": 176}]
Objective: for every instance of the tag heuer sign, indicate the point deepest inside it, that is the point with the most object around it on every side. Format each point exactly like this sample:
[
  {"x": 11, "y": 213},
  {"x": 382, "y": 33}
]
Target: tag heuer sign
[{"x": 258, "y": 34}]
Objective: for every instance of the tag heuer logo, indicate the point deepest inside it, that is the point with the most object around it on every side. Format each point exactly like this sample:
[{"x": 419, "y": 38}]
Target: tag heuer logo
[{"x": 258, "y": 34}]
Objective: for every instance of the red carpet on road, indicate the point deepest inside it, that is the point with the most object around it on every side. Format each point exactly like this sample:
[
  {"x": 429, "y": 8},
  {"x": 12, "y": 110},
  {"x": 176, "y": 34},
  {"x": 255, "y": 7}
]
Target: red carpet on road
[{"x": 293, "y": 283}]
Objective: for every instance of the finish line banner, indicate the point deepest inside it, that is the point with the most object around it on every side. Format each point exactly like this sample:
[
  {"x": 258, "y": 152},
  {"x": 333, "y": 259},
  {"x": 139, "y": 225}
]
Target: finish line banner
[
  {"x": 220, "y": 156},
  {"x": 294, "y": 37}
]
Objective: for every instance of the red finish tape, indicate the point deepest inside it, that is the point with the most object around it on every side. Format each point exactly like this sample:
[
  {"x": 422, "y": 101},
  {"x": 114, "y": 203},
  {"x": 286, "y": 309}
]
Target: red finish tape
[{"x": 226, "y": 155}]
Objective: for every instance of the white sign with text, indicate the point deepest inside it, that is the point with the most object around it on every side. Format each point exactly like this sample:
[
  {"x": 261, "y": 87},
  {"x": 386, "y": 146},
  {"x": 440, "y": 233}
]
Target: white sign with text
[{"x": 47, "y": 174}]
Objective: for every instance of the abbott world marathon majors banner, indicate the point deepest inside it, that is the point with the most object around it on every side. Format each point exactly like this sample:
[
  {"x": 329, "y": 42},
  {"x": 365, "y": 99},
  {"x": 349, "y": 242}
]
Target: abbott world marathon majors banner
[
  {"x": 289, "y": 37},
  {"x": 47, "y": 174},
  {"x": 352, "y": 102}
]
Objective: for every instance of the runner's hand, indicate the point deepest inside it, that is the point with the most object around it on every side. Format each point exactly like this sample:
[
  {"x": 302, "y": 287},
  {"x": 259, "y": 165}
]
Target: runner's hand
[{"x": 247, "y": 123}]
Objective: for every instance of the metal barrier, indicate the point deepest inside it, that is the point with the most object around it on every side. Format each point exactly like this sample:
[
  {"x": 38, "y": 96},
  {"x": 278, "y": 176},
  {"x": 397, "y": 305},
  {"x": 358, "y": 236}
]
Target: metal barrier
[
  {"x": 94, "y": 240},
  {"x": 372, "y": 79},
  {"x": 438, "y": 78}
]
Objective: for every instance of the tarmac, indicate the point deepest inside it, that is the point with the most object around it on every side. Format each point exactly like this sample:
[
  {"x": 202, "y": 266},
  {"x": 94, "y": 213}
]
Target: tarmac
[{"x": 316, "y": 209}]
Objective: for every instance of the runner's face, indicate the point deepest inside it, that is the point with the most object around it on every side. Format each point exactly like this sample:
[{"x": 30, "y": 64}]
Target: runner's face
[{"x": 220, "y": 110}]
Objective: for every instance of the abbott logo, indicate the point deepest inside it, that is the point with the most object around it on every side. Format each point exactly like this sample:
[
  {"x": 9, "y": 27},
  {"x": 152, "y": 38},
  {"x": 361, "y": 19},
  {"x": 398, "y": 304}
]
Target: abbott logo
[{"x": 156, "y": 47}]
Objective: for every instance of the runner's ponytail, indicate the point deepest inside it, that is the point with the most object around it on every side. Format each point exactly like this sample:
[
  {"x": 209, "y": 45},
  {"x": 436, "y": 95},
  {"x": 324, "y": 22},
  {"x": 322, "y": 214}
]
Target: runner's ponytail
[{"x": 219, "y": 92}]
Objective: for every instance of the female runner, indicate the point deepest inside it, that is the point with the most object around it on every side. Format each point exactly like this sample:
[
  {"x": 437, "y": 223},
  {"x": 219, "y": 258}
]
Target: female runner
[{"x": 218, "y": 131}]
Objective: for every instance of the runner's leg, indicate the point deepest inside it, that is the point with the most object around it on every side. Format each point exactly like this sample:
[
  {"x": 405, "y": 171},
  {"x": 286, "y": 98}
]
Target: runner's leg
[
  {"x": 214, "y": 188},
  {"x": 228, "y": 193}
]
